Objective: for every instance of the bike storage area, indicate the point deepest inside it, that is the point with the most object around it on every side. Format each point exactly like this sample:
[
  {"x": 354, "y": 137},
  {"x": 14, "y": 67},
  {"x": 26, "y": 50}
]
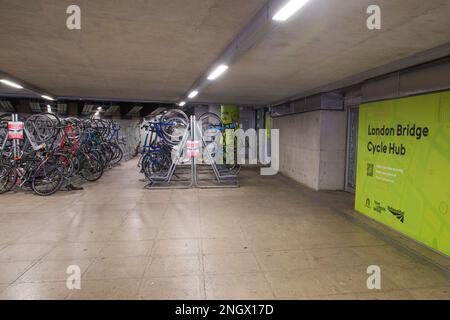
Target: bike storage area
[
  {"x": 242, "y": 152},
  {"x": 180, "y": 152},
  {"x": 45, "y": 153}
]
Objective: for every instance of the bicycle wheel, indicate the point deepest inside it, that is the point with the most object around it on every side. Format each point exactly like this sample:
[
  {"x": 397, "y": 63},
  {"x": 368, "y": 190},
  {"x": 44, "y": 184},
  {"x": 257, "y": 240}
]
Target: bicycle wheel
[
  {"x": 174, "y": 124},
  {"x": 117, "y": 154},
  {"x": 155, "y": 162},
  {"x": 212, "y": 128},
  {"x": 42, "y": 128},
  {"x": 210, "y": 123},
  {"x": 66, "y": 164},
  {"x": 48, "y": 177},
  {"x": 8, "y": 178},
  {"x": 91, "y": 168}
]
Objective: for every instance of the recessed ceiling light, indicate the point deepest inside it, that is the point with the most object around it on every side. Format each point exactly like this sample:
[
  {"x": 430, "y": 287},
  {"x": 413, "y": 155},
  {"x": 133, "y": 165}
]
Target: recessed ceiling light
[
  {"x": 289, "y": 9},
  {"x": 47, "y": 97},
  {"x": 218, "y": 72},
  {"x": 182, "y": 103},
  {"x": 11, "y": 84},
  {"x": 193, "y": 94}
]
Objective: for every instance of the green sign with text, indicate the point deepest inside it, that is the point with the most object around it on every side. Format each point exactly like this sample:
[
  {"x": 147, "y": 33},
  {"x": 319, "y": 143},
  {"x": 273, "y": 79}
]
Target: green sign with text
[{"x": 403, "y": 175}]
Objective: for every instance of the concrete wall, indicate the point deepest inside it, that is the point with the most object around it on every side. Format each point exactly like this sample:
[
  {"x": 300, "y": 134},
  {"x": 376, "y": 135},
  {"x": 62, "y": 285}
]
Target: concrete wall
[
  {"x": 300, "y": 147},
  {"x": 130, "y": 130},
  {"x": 313, "y": 148},
  {"x": 333, "y": 148}
]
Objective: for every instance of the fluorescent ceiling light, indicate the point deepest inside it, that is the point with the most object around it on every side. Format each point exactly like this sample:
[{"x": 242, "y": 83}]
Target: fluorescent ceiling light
[
  {"x": 11, "y": 84},
  {"x": 182, "y": 104},
  {"x": 218, "y": 72},
  {"x": 289, "y": 9},
  {"x": 47, "y": 97},
  {"x": 193, "y": 94}
]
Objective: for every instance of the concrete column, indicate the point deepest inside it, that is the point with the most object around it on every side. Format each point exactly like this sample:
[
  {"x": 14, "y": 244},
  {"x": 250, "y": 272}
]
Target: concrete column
[{"x": 312, "y": 148}]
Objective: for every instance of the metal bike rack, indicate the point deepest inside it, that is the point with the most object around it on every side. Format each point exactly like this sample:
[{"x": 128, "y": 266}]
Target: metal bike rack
[{"x": 202, "y": 176}]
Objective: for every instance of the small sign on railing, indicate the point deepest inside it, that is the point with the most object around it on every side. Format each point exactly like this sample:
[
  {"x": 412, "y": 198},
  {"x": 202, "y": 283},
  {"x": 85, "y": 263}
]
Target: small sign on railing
[
  {"x": 15, "y": 130},
  {"x": 193, "y": 149}
]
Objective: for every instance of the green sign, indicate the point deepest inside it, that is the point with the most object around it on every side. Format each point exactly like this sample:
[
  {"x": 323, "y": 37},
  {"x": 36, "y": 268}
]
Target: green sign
[
  {"x": 403, "y": 175},
  {"x": 230, "y": 115}
]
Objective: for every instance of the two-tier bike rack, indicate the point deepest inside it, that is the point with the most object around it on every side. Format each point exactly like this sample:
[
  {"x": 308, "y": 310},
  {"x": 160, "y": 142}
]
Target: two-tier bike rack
[{"x": 194, "y": 174}]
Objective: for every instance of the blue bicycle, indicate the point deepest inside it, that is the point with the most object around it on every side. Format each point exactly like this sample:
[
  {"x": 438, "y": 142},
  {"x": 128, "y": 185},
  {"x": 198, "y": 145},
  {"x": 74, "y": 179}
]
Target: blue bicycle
[{"x": 163, "y": 133}]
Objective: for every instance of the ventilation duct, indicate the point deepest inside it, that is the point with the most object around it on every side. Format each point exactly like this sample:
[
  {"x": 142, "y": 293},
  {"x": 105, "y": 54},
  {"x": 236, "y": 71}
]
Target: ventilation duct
[
  {"x": 88, "y": 109},
  {"x": 36, "y": 107},
  {"x": 135, "y": 110},
  {"x": 61, "y": 108},
  {"x": 6, "y": 106},
  {"x": 111, "y": 110}
]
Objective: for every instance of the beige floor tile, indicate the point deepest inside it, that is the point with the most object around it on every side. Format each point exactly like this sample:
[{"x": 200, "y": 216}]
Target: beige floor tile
[
  {"x": 44, "y": 236},
  {"x": 36, "y": 291},
  {"x": 165, "y": 266},
  {"x": 359, "y": 238},
  {"x": 224, "y": 231},
  {"x": 385, "y": 295},
  {"x": 262, "y": 243},
  {"x": 105, "y": 205},
  {"x": 298, "y": 284},
  {"x": 179, "y": 231},
  {"x": 89, "y": 234},
  {"x": 177, "y": 247},
  {"x": 9, "y": 236},
  {"x": 134, "y": 234},
  {"x": 117, "y": 268},
  {"x": 156, "y": 197},
  {"x": 378, "y": 255},
  {"x": 289, "y": 260},
  {"x": 47, "y": 270},
  {"x": 10, "y": 271},
  {"x": 126, "y": 249},
  {"x": 442, "y": 293},
  {"x": 146, "y": 209},
  {"x": 249, "y": 286},
  {"x": 335, "y": 297},
  {"x": 189, "y": 209},
  {"x": 227, "y": 245},
  {"x": 335, "y": 257},
  {"x": 183, "y": 196},
  {"x": 172, "y": 288},
  {"x": 271, "y": 236},
  {"x": 415, "y": 276},
  {"x": 231, "y": 263},
  {"x": 120, "y": 289},
  {"x": 147, "y": 221},
  {"x": 21, "y": 252},
  {"x": 101, "y": 221},
  {"x": 354, "y": 279},
  {"x": 3, "y": 287},
  {"x": 73, "y": 251}
]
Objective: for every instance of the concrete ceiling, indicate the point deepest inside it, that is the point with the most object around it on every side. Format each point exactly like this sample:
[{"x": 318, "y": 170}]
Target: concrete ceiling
[
  {"x": 155, "y": 50},
  {"x": 133, "y": 49},
  {"x": 328, "y": 41}
]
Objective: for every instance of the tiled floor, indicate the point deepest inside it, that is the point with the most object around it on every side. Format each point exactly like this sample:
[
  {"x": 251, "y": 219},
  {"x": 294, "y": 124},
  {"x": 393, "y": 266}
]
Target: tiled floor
[{"x": 270, "y": 239}]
